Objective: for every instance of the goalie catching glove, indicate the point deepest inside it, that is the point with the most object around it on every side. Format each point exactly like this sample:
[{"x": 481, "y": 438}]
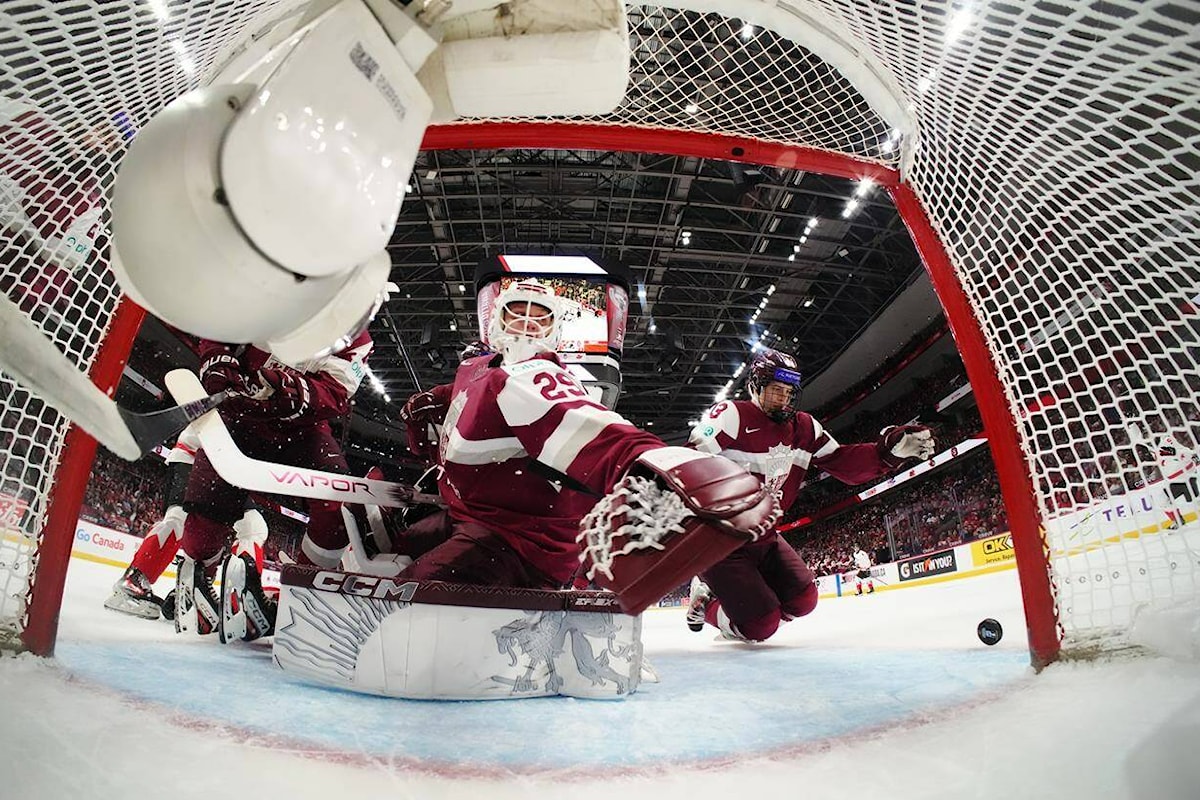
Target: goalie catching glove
[
  {"x": 900, "y": 442},
  {"x": 674, "y": 514}
]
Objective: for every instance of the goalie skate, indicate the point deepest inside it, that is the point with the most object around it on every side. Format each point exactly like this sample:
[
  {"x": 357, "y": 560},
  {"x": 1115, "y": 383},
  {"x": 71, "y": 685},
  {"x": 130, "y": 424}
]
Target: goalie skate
[
  {"x": 196, "y": 605},
  {"x": 246, "y": 613},
  {"x": 131, "y": 595},
  {"x": 698, "y": 599}
]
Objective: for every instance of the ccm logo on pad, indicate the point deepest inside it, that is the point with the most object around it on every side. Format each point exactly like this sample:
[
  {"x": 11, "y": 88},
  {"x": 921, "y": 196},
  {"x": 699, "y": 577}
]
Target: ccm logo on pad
[{"x": 365, "y": 586}]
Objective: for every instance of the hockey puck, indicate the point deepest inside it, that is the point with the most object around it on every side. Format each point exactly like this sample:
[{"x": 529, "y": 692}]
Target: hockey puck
[{"x": 989, "y": 632}]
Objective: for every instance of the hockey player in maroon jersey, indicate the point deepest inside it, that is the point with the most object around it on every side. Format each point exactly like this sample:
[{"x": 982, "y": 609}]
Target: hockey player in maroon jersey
[
  {"x": 765, "y": 582},
  {"x": 132, "y": 593},
  {"x": 526, "y": 454},
  {"x": 281, "y": 414}
]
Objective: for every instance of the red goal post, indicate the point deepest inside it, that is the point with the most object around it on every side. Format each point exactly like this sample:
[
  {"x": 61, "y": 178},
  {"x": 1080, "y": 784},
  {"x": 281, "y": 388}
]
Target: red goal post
[{"x": 1043, "y": 158}]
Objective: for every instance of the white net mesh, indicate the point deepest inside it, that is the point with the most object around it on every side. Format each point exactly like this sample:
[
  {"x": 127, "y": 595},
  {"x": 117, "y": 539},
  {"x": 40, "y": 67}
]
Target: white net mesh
[
  {"x": 1054, "y": 147},
  {"x": 76, "y": 81},
  {"x": 637, "y": 514}
]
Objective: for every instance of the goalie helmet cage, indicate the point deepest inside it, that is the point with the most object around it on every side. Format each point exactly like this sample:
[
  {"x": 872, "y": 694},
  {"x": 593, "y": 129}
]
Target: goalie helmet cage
[{"x": 1043, "y": 156}]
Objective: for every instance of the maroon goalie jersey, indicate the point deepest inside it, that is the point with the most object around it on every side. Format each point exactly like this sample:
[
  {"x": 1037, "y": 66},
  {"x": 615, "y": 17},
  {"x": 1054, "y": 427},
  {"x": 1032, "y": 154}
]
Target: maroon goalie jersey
[
  {"x": 781, "y": 453},
  {"x": 526, "y": 454}
]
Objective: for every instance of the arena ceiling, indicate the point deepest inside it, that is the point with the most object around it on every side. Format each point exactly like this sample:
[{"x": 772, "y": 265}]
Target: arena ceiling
[{"x": 706, "y": 241}]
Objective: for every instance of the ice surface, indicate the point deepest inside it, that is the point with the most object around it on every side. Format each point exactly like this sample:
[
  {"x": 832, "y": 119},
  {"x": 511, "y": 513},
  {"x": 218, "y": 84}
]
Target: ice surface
[{"x": 890, "y": 694}]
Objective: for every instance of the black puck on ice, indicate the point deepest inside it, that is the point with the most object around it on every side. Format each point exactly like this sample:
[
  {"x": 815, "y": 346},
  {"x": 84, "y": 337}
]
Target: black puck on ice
[{"x": 989, "y": 631}]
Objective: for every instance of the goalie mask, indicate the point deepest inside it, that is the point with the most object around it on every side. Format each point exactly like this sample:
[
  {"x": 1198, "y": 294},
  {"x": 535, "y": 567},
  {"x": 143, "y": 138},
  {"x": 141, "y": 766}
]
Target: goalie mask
[
  {"x": 773, "y": 384},
  {"x": 525, "y": 321}
]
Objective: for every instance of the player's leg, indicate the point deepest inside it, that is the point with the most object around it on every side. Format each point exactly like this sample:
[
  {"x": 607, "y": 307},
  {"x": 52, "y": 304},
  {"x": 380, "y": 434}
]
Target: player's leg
[
  {"x": 315, "y": 447},
  {"x": 790, "y": 578},
  {"x": 212, "y": 507},
  {"x": 247, "y": 613},
  {"x": 132, "y": 593},
  {"x": 474, "y": 555},
  {"x": 744, "y": 605}
]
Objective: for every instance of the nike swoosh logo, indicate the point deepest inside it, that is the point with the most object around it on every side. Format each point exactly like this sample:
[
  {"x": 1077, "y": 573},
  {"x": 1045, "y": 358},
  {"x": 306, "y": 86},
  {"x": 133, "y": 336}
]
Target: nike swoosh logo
[{"x": 752, "y": 430}]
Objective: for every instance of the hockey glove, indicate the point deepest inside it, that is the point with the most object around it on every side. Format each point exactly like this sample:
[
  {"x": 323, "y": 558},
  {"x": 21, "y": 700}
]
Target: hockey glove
[
  {"x": 674, "y": 514},
  {"x": 422, "y": 412},
  {"x": 221, "y": 371},
  {"x": 279, "y": 394},
  {"x": 899, "y": 442}
]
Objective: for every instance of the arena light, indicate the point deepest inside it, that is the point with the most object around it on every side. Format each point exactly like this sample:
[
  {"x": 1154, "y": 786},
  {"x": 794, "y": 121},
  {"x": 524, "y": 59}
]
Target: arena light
[
  {"x": 958, "y": 25},
  {"x": 159, "y": 9},
  {"x": 185, "y": 60},
  {"x": 377, "y": 385}
]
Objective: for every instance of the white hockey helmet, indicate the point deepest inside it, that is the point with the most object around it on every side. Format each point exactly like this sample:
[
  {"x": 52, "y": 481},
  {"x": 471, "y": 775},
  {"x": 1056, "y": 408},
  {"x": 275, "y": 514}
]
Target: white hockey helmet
[{"x": 519, "y": 333}]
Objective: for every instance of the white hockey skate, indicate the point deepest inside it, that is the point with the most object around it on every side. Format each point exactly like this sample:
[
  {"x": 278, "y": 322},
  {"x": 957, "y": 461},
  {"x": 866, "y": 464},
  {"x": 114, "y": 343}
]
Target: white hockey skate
[
  {"x": 698, "y": 600},
  {"x": 131, "y": 595},
  {"x": 246, "y": 613},
  {"x": 197, "y": 609}
]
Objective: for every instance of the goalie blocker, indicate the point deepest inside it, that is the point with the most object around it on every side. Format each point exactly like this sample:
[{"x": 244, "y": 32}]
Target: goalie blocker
[{"x": 674, "y": 514}]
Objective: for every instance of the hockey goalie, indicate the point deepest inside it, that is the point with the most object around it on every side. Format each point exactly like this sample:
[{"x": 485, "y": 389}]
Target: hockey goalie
[
  {"x": 527, "y": 458},
  {"x": 526, "y": 455}
]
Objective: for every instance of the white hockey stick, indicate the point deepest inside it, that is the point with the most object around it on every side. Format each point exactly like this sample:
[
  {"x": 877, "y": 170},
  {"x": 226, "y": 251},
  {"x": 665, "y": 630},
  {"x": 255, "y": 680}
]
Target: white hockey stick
[
  {"x": 32, "y": 359},
  {"x": 384, "y": 565},
  {"x": 264, "y": 476}
]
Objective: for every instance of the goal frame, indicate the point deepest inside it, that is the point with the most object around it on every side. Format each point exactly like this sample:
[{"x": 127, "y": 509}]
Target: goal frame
[
  {"x": 1016, "y": 485},
  {"x": 57, "y": 535}
]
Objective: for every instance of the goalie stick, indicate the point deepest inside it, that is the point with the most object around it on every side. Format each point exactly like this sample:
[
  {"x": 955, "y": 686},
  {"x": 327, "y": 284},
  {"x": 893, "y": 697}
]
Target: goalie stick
[
  {"x": 264, "y": 476},
  {"x": 32, "y": 359}
]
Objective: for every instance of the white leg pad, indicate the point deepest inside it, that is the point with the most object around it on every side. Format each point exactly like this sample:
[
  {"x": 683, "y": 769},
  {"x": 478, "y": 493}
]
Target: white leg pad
[{"x": 383, "y": 636}]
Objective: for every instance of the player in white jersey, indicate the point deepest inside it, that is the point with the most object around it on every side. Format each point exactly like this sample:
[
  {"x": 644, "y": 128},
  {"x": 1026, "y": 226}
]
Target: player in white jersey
[
  {"x": 1180, "y": 468},
  {"x": 862, "y": 567}
]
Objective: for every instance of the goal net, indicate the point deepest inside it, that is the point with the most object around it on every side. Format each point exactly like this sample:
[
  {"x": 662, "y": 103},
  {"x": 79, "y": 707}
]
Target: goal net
[{"x": 1044, "y": 156}]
